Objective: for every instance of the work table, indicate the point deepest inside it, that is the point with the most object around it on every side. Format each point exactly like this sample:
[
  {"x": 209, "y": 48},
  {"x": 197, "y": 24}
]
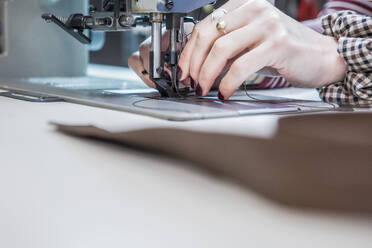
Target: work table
[{"x": 61, "y": 191}]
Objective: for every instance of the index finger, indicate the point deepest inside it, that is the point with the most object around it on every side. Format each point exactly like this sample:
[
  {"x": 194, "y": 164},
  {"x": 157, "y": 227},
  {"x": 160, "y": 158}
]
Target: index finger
[{"x": 184, "y": 61}]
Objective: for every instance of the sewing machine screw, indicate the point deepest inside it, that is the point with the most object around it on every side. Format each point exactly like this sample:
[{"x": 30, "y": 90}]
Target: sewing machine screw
[
  {"x": 159, "y": 70},
  {"x": 169, "y": 4},
  {"x": 126, "y": 21}
]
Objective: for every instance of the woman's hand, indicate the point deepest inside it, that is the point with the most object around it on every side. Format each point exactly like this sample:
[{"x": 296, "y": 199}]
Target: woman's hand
[{"x": 258, "y": 35}]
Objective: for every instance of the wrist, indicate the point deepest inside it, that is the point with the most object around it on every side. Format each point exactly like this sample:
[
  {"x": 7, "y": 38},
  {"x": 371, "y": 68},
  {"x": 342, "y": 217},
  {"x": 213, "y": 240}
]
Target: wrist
[{"x": 333, "y": 63}]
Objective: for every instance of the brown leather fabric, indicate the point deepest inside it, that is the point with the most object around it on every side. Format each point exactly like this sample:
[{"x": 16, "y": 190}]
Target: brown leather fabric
[{"x": 317, "y": 161}]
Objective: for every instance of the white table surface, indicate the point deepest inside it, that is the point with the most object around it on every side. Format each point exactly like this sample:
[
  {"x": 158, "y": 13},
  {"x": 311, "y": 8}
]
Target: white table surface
[{"x": 61, "y": 191}]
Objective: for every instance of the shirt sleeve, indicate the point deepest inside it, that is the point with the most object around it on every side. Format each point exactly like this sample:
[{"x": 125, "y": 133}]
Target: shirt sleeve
[{"x": 354, "y": 34}]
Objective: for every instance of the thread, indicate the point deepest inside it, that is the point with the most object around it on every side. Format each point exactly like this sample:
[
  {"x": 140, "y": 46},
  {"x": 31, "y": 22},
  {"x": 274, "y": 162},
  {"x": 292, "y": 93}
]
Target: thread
[{"x": 290, "y": 104}]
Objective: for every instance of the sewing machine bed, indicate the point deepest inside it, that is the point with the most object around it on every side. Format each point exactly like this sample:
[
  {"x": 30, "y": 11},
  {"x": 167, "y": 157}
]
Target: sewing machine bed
[{"x": 131, "y": 95}]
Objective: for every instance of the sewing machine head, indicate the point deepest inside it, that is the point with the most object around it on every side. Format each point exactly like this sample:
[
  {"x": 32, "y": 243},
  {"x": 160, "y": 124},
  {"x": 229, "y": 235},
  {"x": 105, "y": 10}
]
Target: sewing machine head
[{"x": 122, "y": 15}]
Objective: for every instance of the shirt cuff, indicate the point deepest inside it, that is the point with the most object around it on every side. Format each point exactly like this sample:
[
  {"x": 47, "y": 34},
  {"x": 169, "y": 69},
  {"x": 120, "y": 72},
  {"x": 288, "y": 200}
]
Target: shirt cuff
[{"x": 353, "y": 32}]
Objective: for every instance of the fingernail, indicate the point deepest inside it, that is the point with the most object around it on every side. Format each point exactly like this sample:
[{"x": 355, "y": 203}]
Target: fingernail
[
  {"x": 199, "y": 90},
  {"x": 220, "y": 96},
  {"x": 179, "y": 73},
  {"x": 192, "y": 83}
]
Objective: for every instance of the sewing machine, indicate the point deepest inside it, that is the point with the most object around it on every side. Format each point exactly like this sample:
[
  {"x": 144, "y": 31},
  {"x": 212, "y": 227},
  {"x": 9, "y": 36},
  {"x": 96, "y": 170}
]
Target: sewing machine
[
  {"x": 41, "y": 62},
  {"x": 122, "y": 15}
]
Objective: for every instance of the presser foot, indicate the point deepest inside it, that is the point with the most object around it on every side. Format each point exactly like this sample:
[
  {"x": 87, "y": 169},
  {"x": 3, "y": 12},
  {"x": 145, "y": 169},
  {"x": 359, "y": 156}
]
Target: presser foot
[{"x": 166, "y": 89}]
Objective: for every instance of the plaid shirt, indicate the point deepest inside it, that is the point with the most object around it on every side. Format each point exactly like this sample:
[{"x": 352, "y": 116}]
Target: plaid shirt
[{"x": 354, "y": 34}]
